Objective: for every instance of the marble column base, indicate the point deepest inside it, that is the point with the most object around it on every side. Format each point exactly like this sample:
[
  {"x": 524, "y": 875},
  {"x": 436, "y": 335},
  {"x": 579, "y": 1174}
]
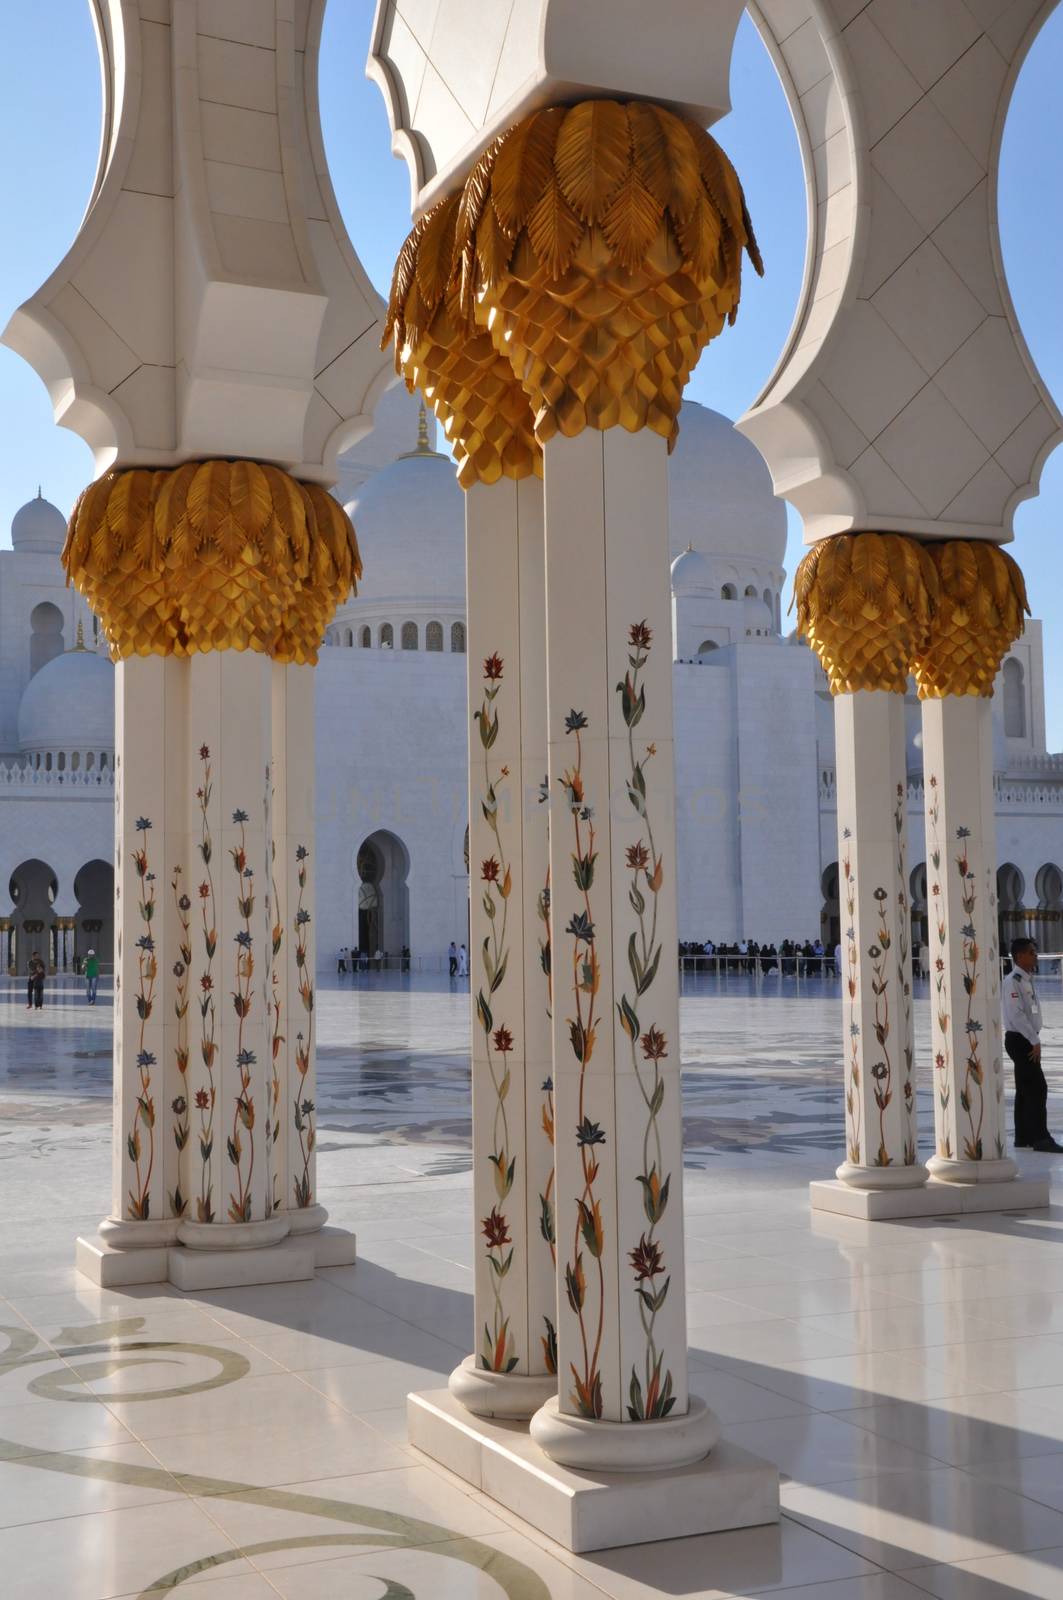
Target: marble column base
[
  {"x": 933, "y": 1199},
  {"x": 731, "y": 1488},
  {"x": 497, "y": 1394},
  {"x": 589, "y": 1446},
  {"x": 893, "y": 1177},
  {"x": 287, "y": 1261},
  {"x": 947, "y": 1171},
  {"x": 233, "y": 1235},
  {"x": 306, "y": 1219},
  {"x": 119, "y": 1234}
]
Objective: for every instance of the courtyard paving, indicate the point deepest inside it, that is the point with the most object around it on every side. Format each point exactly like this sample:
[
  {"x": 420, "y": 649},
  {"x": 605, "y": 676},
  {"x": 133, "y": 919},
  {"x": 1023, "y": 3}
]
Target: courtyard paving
[{"x": 906, "y": 1378}]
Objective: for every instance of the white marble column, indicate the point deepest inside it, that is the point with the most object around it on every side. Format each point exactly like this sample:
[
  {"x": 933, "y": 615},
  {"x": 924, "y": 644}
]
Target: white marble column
[
  {"x": 966, "y": 1043},
  {"x": 229, "y": 1180},
  {"x": 292, "y": 980},
  {"x": 877, "y": 1035},
  {"x": 622, "y": 1356},
  {"x": 150, "y": 1092},
  {"x": 511, "y": 1369}
]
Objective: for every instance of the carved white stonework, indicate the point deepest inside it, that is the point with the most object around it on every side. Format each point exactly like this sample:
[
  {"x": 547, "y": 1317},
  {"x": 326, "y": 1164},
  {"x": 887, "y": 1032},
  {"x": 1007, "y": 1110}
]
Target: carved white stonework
[
  {"x": 212, "y": 303},
  {"x": 454, "y": 73},
  {"x": 906, "y": 397}
]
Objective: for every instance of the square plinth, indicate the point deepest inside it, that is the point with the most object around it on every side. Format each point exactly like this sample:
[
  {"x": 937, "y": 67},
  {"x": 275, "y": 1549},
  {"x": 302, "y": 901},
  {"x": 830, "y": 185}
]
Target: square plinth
[
  {"x": 585, "y": 1511},
  {"x": 933, "y": 1199},
  {"x": 297, "y": 1257}
]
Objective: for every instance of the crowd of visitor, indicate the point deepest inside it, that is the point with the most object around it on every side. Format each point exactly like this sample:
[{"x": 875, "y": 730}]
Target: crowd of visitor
[{"x": 792, "y": 958}]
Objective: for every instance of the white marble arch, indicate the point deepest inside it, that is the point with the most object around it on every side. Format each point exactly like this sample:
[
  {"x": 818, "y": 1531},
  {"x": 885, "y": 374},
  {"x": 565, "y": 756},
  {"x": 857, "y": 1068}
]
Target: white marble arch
[
  {"x": 905, "y": 397},
  {"x": 249, "y": 318}
]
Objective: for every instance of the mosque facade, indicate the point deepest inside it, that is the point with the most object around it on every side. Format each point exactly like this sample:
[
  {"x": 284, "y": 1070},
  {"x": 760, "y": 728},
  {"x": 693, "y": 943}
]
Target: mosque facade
[{"x": 754, "y": 724}]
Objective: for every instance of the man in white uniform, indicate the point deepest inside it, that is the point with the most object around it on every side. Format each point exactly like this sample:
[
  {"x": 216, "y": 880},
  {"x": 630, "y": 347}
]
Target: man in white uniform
[{"x": 1022, "y": 1041}]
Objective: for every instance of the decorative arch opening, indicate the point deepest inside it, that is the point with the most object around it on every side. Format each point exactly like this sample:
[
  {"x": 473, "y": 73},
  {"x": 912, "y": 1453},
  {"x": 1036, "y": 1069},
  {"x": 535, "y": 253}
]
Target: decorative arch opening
[
  {"x": 94, "y": 922},
  {"x": 1049, "y": 885},
  {"x": 383, "y": 909},
  {"x": 387, "y": 636},
  {"x": 1014, "y": 699},
  {"x": 830, "y": 922},
  {"x": 366, "y": 638},
  {"x": 33, "y": 890},
  {"x": 1011, "y": 911},
  {"x": 433, "y": 636},
  {"x": 706, "y": 647},
  {"x": 46, "y": 635},
  {"x": 409, "y": 636},
  {"x": 917, "y": 887},
  {"x": 457, "y": 638},
  {"x": 729, "y": 591}
]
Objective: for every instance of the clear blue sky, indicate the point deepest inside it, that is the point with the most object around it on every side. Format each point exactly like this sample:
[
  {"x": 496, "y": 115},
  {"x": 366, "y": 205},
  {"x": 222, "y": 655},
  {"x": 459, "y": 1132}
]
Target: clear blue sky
[{"x": 49, "y": 126}]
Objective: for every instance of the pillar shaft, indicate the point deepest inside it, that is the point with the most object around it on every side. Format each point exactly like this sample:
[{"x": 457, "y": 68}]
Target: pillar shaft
[
  {"x": 621, "y": 1297},
  {"x": 293, "y": 1043},
  {"x": 515, "y": 1315},
  {"x": 877, "y": 1036},
  {"x": 966, "y": 1044}
]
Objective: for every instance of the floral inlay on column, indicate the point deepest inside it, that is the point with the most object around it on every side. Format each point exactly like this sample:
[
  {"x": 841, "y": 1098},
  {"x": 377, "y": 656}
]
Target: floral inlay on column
[
  {"x": 206, "y": 1095},
  {"x": 881, "y": 1069},
  {"x": 303, "y": 1107},
  {"x": 182, "y": 972},
  {"x": 582, "y": 1030},
  {"x": 244, "y": 1105},
  {"x": 972, "y": 1098},
  {"x": 941, "y": 983},
  {"x": 547, "y": 1219},
  {"x": 143, "y": 1126},
  {"x": 853, "y": 1099},
  {"x": 499, "y": 1352},
  {"x": 275, "y": 1008},
  {"x": 904, "y": 939},
  {"x": 650, "y": 1395}
]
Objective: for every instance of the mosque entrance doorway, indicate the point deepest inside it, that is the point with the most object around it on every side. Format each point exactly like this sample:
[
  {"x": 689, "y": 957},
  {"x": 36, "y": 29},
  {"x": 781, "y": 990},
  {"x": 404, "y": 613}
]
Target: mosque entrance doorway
[
  {"x": 94, "y": 925},
  {"x": 383, "y": 897},
  {"x": 33, "y": 889}
]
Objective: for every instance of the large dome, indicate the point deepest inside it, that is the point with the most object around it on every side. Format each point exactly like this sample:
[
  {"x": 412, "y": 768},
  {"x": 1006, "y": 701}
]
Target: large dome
[
  {"x": 720, "y": 495},
  {"x": 69, "y": 705},
  {"x": 410, "y": 522},
  {"x": 39, "y": 526}
]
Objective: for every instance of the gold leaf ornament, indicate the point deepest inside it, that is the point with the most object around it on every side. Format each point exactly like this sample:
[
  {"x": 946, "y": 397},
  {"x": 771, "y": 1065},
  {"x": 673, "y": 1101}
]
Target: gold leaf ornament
[
  {"x": 981, "y": 605},
  {"x": 211, "y": 555},
  {"x": 470, "y": 387},
  {"x": 865, "y": 603},
  {"x": 599, "y": 248}
]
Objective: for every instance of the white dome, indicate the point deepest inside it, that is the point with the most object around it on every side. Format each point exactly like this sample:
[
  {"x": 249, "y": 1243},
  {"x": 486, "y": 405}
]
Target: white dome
[
  {"x": 691, "y": 573},
  {"x": 758, "y": 615},
  {"x": 39, "y": 526},
  {"x": 410, "y": 522},
  {"x": 69, "y": 705},
  {"x": 720, "y": 495}
]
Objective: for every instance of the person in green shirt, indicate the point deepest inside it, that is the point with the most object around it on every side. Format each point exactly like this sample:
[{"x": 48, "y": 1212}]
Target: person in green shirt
[{"x": 92, "y": 975}]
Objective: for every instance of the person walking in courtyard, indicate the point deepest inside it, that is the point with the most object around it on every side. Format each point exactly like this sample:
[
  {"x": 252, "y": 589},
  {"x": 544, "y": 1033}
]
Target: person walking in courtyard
[
  {"x": 92, "y": 976},
  {"x": 35, "y": 982},
  {"x": 463, "y": 962},
  {"x": 1022, "y": 1041},
  {"x": 452, "y": 957}
]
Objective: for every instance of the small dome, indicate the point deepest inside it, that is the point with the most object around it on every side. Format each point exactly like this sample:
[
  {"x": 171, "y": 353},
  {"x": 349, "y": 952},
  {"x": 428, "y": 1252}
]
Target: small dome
[
  {"x": 720, "y": 493},
  {"x": 39, "y": 526},
  {"x": 757, "y": 615},
  {"x": 691, "y": 573},
  {"x": 410, "y": 522},
  {"x": 69, "y": 705}
]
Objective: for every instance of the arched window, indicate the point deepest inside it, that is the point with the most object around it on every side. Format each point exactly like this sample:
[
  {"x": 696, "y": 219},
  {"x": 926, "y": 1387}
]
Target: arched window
[
  {"x": 1014, "y": 699},
  {"x": 348, "y": 637},
  {"x": 387, "y": 636},
  {"x": 707, "y": 646},
  {"x": 409, "y": 636},
  {"x": 46, "y": 635},
  {"x": 367, "y": 638},
  {"x": 457, "y": 637},
  {"x": 766, "y": 597},
  {"x": 729, "y": 592},
  {"x": 433, "y": 636},
  {"x": 751, "y": 591}
]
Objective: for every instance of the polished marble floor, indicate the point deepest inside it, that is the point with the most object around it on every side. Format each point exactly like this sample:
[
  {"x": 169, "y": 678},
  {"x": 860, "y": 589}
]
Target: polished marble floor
[{"x": 907, "y": 1379}]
